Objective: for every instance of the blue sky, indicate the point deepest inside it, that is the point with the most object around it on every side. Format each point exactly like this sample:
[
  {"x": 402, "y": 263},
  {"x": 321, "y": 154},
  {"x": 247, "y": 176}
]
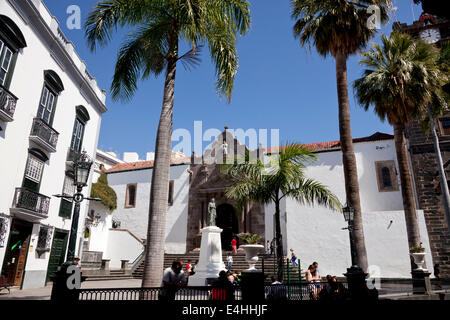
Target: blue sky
[{"x": 279, "y": 85}]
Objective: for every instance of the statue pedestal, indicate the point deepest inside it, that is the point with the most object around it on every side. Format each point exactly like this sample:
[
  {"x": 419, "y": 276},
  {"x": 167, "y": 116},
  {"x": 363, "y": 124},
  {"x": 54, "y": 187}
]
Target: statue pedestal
[{"x": 210, "y": 262}]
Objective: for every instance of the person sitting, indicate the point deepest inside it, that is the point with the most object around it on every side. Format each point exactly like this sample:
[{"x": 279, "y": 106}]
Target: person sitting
[
  {"x": 173, "y": 279},
  {"x": 223, "y": 289},
  {"x": 276, "y": 291}
]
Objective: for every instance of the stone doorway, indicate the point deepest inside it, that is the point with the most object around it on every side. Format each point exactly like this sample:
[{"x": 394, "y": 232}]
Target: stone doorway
[{"x": 228, "y": 221}]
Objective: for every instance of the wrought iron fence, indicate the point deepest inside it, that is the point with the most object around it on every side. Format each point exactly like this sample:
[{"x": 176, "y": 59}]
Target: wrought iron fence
[
  {"x": 30, "y": 200},
  {"x": 278, "y": 292},
  {"x": 8, "y": 102},
  {"x": 42, "y": 130}
]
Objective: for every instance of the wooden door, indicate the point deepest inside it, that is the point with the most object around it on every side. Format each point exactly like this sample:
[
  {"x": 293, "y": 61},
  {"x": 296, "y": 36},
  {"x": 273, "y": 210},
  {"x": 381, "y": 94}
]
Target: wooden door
[
  {"x": 21, "y": 260},
  {"x": 57, "y": 254}
]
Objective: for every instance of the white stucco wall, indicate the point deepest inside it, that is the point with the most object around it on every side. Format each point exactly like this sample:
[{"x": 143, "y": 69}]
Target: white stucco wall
[
  {"x": 98, "y": 240},
  {"x": 122, "y": 246},
  {"x": 136, "y": 219},
  {"x": 315, "y": 233},
  {"x": 27, "y": 83}
]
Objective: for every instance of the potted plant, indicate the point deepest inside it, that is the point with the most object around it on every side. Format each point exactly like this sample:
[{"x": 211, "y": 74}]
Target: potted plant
[
  {"x": 418, "y": 254},
  {"x": 252, "y": 248}
]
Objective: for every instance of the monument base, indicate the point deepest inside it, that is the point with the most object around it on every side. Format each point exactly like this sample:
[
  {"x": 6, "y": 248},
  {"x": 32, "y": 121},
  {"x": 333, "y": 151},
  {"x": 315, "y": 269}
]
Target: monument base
[{"x": 210, "y": 262}]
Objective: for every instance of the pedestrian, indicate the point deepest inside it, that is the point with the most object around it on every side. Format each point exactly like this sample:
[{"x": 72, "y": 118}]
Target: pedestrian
[
  {"x": 234, "y": 245},
  {"x": 229, "y": 262},
  {"x": 273, "y": 246},
  {"x": 222, "y": 288},
  {"x": 268, "y": 247},
  {"x": 173, "y": 279},
  {"x": 437, "y": 274},
  {"x": 76, "y": 260},
  {"x": 193, "y": 267},
  {"x": 276, "y": 291},
  {"x": 314, "y": 280},
  {"x": 293, "y": 258},
  {"x": 188, "y": 268}
]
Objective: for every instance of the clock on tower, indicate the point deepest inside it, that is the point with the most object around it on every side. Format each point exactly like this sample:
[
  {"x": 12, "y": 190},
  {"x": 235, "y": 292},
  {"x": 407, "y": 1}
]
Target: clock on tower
[{"x": 430, "y": 35}]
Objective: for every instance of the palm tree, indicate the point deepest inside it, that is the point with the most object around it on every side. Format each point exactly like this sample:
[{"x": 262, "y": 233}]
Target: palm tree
[
  {"x": 283, "y": 178},
  {"x": 157, "y": 28},
  {"x": 340, "y": 28},
  {"x": 400, "y": 80}
]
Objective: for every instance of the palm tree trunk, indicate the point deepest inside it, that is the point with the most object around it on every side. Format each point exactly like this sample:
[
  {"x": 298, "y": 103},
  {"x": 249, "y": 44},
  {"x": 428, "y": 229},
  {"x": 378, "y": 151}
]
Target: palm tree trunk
[
  {"x": 442, "y": 176},
  {"x": 280, "y": 258},
  {"x": 159, "y": 193},
  {"x": 409, "y": 205},
  {"x": 349, "y": 159}
]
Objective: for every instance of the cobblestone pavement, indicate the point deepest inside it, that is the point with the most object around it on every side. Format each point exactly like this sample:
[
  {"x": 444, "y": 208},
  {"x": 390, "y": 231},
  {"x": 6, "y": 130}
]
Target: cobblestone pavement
[{"x": 44, "y": 293}]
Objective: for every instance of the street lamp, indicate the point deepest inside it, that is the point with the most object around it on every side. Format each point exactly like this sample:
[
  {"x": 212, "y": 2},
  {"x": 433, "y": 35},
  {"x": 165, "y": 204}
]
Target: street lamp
[
  {"x": 81, "y": 168},
  {"x": 349, "y": 215}
]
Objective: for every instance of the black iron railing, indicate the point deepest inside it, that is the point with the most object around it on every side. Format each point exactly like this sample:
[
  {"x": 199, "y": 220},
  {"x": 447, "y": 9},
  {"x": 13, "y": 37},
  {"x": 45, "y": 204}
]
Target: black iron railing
[
  {"x": 182, "y": 294},
  {"x": 278, "y": 292},
  {"x": 32, "y": 201},
  {"x": 8, "y": 102},
  {"x": 42, "y": 130}
]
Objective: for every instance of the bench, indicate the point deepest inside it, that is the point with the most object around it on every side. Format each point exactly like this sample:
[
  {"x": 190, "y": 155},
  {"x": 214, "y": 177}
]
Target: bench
[{"x": 4, "y": 284}]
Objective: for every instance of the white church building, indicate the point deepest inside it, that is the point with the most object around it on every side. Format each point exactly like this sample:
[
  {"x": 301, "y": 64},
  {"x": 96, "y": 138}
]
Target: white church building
[
  {"x": 315, "y": 233},
  {"x": 50, "y": 111}
]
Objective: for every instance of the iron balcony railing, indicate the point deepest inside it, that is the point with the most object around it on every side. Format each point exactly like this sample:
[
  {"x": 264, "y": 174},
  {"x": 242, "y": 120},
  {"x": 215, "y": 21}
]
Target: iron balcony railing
[
  {"x": 8, "y": 103},
  {"x": 43, "y": 131},
  {"x": 31, "y": 201}
]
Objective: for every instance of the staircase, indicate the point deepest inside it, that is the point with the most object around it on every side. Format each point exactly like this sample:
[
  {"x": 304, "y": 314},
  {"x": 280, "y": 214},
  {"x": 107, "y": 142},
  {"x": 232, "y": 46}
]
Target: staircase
[
  {"x": 113, "y": 275},
  {"x": 239, "y": 264}
]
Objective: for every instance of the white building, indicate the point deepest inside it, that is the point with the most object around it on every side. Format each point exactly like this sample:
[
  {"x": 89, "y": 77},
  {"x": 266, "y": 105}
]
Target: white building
[
  {"x": 315, "y": 233},
  {"x": 50, "y": 110}
]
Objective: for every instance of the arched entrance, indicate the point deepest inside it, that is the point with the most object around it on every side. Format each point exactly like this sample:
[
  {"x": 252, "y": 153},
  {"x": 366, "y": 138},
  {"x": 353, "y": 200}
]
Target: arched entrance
[{"x": 228, "y": 221}]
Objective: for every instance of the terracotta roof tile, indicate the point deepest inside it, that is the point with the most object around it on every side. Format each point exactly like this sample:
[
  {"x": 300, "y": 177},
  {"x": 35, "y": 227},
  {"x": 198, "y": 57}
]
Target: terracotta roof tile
[
  {"x": 144, "y": 165},
  {"x": 337, "y": 144}
]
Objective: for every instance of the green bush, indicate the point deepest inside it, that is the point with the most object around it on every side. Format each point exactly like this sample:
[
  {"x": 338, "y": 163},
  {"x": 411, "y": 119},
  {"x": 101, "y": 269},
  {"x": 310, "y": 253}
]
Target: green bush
[
  {"x": 102, "y": 190},
  {"x": 418, "y": 249},
  {"x": 249, "y": 238}
]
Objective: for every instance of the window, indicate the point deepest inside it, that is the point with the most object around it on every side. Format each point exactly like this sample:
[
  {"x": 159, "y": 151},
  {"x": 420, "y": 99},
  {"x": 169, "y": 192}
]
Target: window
[
  {"x": 77, "y": 136},
  {"x": 130, "y": 197},
  {"x": 65, "y": 209},
  {"x": 6, "y": 56},
  {"x": 445, "y": 127},
  {"x": 386, "y": 176},
  {"x": 52, "y": 88},
  {"x": 33, "y": 173},
  {"x": 46, "y": 105},
  {"x": 171, "y": 184},
  {"x": 11, "y": 41}
]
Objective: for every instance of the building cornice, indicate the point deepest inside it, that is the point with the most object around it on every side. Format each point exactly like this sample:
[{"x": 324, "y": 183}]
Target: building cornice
[{"x": 61, "y": 49}]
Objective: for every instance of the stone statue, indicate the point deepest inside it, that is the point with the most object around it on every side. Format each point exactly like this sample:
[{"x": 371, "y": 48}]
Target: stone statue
[
  {"x": 225, "y": 148},
  {"x": 212, "y": 213}
]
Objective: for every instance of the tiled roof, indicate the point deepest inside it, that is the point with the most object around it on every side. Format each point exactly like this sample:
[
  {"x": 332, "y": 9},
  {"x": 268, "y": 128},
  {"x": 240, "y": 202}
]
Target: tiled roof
[
  {"x": 144, "y": 165},
  {"x": 319, "y": 146}
]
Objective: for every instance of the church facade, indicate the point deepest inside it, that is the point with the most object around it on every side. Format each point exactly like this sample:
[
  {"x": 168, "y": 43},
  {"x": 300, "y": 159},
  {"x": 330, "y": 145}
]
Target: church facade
[{"x": 314, "y": 233}]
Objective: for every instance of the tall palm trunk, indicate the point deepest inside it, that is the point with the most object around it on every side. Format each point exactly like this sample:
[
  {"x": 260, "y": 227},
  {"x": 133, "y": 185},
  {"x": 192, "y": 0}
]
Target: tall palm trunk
[
  {"x": 349, "y": 159},
  {"x": 280, "y": 258},
  {"x": 159, "y": 193},
  {"x": 442, "y": 176},
  {"x": 409, "y": 205}
]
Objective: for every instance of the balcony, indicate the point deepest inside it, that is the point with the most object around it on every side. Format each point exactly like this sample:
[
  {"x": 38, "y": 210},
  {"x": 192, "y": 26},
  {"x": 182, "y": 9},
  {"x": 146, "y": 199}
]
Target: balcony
[
  {"x": 8, "y": 103},
  {"x": 44, "y": 135},
  {"x": 30, "y": 205}
]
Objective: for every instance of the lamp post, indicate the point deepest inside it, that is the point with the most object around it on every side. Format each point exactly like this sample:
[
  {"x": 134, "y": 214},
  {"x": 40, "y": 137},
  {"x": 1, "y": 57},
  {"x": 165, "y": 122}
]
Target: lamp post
[
  {"x": 349, "y": 215},
  {"x": 62, "y": 289},
  {"x": 356, "y": 277}
]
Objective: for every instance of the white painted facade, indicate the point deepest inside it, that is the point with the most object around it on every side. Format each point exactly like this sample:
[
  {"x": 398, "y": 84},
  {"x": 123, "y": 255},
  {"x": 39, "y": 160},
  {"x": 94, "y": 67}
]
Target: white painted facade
[
  {"x": 315, "y": 233},
  {"x": 136, "y": 219},
  {"x": 46, "y": 49}
]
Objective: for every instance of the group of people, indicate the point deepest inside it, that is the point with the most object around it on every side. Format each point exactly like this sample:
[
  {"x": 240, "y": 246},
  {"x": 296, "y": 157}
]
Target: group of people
[
  {"x": 225, "y": 285},
  {"x": 330, "y": 290},
  {"x": 271, "y": 247}
]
